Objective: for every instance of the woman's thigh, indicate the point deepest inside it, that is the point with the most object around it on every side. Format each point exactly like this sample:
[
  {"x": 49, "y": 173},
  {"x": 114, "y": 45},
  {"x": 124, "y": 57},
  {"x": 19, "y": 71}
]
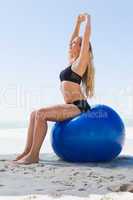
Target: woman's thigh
[{"x": 58, "y": 112}]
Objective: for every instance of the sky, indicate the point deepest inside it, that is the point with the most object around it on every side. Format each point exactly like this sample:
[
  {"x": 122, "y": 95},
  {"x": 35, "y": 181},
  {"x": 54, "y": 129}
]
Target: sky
[{"x": 34, "y": 40}]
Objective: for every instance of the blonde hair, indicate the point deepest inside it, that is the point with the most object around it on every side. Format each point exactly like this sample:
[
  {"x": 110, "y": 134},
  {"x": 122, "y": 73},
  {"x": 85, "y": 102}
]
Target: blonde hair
[{"x": 88, "y": 77}]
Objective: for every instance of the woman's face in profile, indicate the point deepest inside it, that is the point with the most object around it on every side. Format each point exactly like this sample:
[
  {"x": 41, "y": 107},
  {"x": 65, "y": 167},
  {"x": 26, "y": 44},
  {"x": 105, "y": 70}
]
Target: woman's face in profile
[{"x": 75, "y": 47}]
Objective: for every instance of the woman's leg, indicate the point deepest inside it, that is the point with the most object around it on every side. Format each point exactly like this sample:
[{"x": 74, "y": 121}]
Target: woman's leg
[
  {"x": 29, "y": 136},
  {"x": 53, "y": 113},
  {"x": 40, "y": 131}
]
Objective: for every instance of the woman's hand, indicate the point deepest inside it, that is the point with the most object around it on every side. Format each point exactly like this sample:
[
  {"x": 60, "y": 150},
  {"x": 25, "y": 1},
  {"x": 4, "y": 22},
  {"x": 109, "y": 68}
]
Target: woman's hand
[{"x": 83, "y": 17}]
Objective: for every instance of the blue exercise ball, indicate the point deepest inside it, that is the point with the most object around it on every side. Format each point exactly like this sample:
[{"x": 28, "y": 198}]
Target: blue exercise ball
[{"x": 94, "y": 136}]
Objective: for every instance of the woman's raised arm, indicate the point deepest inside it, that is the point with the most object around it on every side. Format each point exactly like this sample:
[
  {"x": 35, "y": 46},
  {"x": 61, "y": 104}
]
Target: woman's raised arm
[
  {"x": 82, "y": 60},
  {"x": 76, "y": 31},
  {"x": 86, "y": 38}
]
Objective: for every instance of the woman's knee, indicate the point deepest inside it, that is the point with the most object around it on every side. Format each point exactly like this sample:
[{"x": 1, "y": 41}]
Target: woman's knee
[
  {"x": 41, "y": 115},
  {"x": 33, "y": 114}
]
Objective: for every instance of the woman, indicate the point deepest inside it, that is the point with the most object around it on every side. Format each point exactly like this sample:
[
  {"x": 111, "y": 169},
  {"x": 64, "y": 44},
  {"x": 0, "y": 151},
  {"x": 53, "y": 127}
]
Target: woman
[{"x": 80, "y": 70}]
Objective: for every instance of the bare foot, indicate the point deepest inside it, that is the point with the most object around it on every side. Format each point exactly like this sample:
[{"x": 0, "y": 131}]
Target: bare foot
[
  {"x": 21, "y": 156},
  {"x": 28, "y": 159}
]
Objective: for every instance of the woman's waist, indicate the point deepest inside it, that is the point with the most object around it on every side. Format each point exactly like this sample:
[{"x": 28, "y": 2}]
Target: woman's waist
[{"x": 72, "y": 94}]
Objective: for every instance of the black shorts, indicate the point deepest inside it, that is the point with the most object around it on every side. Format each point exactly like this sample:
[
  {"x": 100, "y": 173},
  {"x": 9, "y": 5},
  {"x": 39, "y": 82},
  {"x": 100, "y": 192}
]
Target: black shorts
[{"x": 82, "y": 105}]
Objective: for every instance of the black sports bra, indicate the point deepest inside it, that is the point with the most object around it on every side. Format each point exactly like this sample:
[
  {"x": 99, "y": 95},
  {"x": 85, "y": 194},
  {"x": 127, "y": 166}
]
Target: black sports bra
[{"x": 68, "y": 75}]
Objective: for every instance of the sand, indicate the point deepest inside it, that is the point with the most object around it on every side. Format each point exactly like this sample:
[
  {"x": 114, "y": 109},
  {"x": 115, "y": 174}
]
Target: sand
[{"x": 53, "y": 178}]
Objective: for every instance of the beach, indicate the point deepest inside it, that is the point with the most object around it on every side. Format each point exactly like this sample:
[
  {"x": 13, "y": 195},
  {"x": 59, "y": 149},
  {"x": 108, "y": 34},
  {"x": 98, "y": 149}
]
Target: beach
[{"x": 54, "y": 178}]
